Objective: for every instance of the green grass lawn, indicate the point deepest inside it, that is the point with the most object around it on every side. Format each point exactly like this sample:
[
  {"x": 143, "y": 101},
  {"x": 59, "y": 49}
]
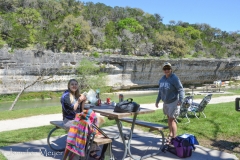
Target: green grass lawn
[
  {"x": 2, "y": 157},
  {"x": 29, "y": 112},
  {"x": 24, "y": 135}
]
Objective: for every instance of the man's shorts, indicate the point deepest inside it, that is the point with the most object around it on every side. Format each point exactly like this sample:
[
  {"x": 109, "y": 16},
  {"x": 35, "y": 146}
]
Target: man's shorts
[{"x": 171, "y": 109}]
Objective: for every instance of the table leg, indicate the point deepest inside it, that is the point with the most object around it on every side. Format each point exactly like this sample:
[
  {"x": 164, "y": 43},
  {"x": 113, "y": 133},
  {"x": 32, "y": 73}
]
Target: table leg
[
  {"x": 130, "y": 137},
  {"x": 127, "y": 146},
  {"x": 119, "y": 124}
]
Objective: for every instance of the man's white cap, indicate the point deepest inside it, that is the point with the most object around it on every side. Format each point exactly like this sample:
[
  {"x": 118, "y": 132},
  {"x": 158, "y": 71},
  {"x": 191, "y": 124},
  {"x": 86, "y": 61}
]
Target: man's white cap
[{"x": 167, "y": 64}]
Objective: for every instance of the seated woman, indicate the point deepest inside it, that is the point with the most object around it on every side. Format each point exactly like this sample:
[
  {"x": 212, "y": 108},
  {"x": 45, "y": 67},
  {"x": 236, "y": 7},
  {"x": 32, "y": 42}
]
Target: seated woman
[
  {"x": 78, "y": 134},
  {"x": 72, "y": 102}
]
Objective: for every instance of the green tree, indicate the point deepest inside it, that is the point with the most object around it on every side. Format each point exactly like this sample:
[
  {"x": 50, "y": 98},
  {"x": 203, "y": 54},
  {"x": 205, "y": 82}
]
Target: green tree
[
  {"x": 30, "y": 19},
  {"x": 8, "y": 5},
  {"x": 52, "y": 10},
  {"x": 130, "y": 24},
  {"x": 18, "y": 37},
  {"x": 91, "y": 77},
  {"x": 134, "y": 13},
  {"x": 152, "y": 21},
  {"x": 97, "y": 13},
  {"x": 1, "y": 27},
  {"x": 2, "y": 42},
  {"x": 15, "y": 34},
  {"x": 168, "y": 41},
  {"x": 75, "y": 33},
  {"x": 54, "y": 40},
  {"x": 111, "y": 36},
  {"x": 189, "y": 32},
  {"x": 72, "y": 7},
  {"x": 118, "y": 13}
]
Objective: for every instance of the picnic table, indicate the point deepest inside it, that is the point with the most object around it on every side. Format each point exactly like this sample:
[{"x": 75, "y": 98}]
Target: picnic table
[
  {"x": 108, "y": 111},
  {"x": 206, "y": 87},
  {"x": 211, "y": 88}
]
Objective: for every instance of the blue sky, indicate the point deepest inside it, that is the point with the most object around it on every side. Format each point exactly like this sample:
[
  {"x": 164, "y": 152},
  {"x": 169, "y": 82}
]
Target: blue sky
[{"x": 222, "y": 14}]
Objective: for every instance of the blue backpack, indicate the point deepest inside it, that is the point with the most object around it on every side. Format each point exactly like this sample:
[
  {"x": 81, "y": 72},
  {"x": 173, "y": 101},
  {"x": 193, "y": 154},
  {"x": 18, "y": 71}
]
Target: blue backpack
[{"x": 183, "y": 145}]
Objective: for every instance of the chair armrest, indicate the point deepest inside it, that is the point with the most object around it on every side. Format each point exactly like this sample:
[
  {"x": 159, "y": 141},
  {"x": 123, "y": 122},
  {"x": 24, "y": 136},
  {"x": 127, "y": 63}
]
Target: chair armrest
[{"x": 194, "y": 104}]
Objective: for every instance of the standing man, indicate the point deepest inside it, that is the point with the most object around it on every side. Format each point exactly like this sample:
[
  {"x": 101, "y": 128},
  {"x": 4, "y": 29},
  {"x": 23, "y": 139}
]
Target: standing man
[{"x": 171, "y": 93}]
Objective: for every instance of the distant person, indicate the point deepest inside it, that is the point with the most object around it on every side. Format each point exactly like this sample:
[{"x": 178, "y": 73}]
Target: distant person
[
  {"x": 171, "y": 93},
  {"x": 72, "y": 102}
]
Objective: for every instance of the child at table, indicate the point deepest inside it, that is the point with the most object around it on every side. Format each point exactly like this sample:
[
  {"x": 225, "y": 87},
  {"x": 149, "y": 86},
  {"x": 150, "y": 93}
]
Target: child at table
[{"x": 72, "y": 102}]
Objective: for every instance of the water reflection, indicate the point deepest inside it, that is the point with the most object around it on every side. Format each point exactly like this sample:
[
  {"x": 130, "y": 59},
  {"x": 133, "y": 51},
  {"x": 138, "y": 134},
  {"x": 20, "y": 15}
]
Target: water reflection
[{"x": 30, "y": 104}]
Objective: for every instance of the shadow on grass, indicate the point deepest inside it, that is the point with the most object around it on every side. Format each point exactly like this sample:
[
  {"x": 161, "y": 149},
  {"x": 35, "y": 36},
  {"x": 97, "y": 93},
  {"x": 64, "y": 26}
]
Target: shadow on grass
[{"x": 227, "y": 145}]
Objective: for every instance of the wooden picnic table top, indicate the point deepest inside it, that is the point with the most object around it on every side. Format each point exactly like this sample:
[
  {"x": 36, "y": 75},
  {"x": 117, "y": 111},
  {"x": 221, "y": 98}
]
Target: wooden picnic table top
[{"x": 108, "y": 110}]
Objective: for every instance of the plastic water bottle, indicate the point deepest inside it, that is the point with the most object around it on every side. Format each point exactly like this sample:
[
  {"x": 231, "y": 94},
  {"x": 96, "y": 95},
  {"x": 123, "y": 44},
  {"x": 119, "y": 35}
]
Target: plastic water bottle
[
  {"x": 98, "y": 97},
  {"x": 120, "y": 97}
]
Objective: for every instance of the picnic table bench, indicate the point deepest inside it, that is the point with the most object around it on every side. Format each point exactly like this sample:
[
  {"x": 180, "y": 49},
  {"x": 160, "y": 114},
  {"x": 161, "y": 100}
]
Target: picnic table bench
[
  {"x": 150, "y": 125},
  {"x": 59, "y": 125}
]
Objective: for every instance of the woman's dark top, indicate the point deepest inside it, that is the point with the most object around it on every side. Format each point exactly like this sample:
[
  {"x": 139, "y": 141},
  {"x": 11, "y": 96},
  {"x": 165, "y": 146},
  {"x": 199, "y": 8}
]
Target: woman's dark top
[{"x": 67, "y": 107}]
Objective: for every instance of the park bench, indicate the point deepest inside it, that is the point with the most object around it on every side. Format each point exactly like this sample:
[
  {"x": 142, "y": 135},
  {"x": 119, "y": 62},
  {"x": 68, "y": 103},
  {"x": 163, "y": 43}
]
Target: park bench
[
  {"x": 150, "y": 125},
  {"x": 59, "y": 125}
]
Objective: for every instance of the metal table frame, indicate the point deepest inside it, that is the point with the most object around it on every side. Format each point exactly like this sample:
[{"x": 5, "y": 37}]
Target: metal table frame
[{"x": 108, "y": 112}]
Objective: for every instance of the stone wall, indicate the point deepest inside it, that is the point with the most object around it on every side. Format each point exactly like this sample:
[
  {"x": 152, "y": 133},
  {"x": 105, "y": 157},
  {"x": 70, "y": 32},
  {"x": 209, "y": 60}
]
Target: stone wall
[{"x": 22, "y": 67}]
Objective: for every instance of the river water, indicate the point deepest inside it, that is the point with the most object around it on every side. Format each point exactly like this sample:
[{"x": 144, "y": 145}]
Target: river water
[
  {"x": 56, "y": 102},
  {"x": 30, "y": 104}
]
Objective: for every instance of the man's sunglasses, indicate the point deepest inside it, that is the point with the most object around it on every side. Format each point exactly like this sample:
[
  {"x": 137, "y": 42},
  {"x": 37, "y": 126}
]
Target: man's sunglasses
[{"x": 166, "y": 69}]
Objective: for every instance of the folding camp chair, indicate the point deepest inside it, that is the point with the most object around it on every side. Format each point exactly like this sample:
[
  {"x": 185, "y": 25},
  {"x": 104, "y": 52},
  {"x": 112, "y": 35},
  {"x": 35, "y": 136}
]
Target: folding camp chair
[
  {"x": 187, "y": 101},
  {"x": 199, "y": 107}
]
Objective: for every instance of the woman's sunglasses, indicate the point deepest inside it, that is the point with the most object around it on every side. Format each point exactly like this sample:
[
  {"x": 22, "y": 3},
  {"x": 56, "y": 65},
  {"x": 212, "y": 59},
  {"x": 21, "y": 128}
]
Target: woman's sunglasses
[
  {"x": 73, "y": 84},
  {"x": 166, "y": 69}
]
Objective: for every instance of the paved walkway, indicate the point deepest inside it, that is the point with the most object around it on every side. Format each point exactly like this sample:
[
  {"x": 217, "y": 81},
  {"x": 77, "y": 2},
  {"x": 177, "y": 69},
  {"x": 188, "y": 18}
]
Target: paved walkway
[{"x": 142, "y": 143}]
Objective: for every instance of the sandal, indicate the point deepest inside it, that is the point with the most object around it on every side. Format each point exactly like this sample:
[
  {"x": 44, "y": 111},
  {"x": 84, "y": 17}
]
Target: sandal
[
  {"x": 168, "y": 140},
  {"x": 94, "y": 155}
]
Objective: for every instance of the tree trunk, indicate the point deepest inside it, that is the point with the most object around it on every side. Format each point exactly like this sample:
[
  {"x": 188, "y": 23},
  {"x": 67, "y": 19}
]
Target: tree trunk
[
  {"x": 16, "y": 99},
  {"x": 19, "y": 94}
]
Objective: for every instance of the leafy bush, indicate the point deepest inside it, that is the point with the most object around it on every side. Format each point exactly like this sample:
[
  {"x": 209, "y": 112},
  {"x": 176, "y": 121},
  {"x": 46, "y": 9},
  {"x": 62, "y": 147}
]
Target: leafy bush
[
  {"x": 90, "y": 76},
  {"x": 95, "y": 54}
]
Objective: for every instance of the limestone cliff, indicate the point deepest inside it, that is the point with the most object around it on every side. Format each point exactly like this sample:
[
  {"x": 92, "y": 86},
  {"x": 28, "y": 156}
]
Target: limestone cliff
[{"x": 21, "y": 67}]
